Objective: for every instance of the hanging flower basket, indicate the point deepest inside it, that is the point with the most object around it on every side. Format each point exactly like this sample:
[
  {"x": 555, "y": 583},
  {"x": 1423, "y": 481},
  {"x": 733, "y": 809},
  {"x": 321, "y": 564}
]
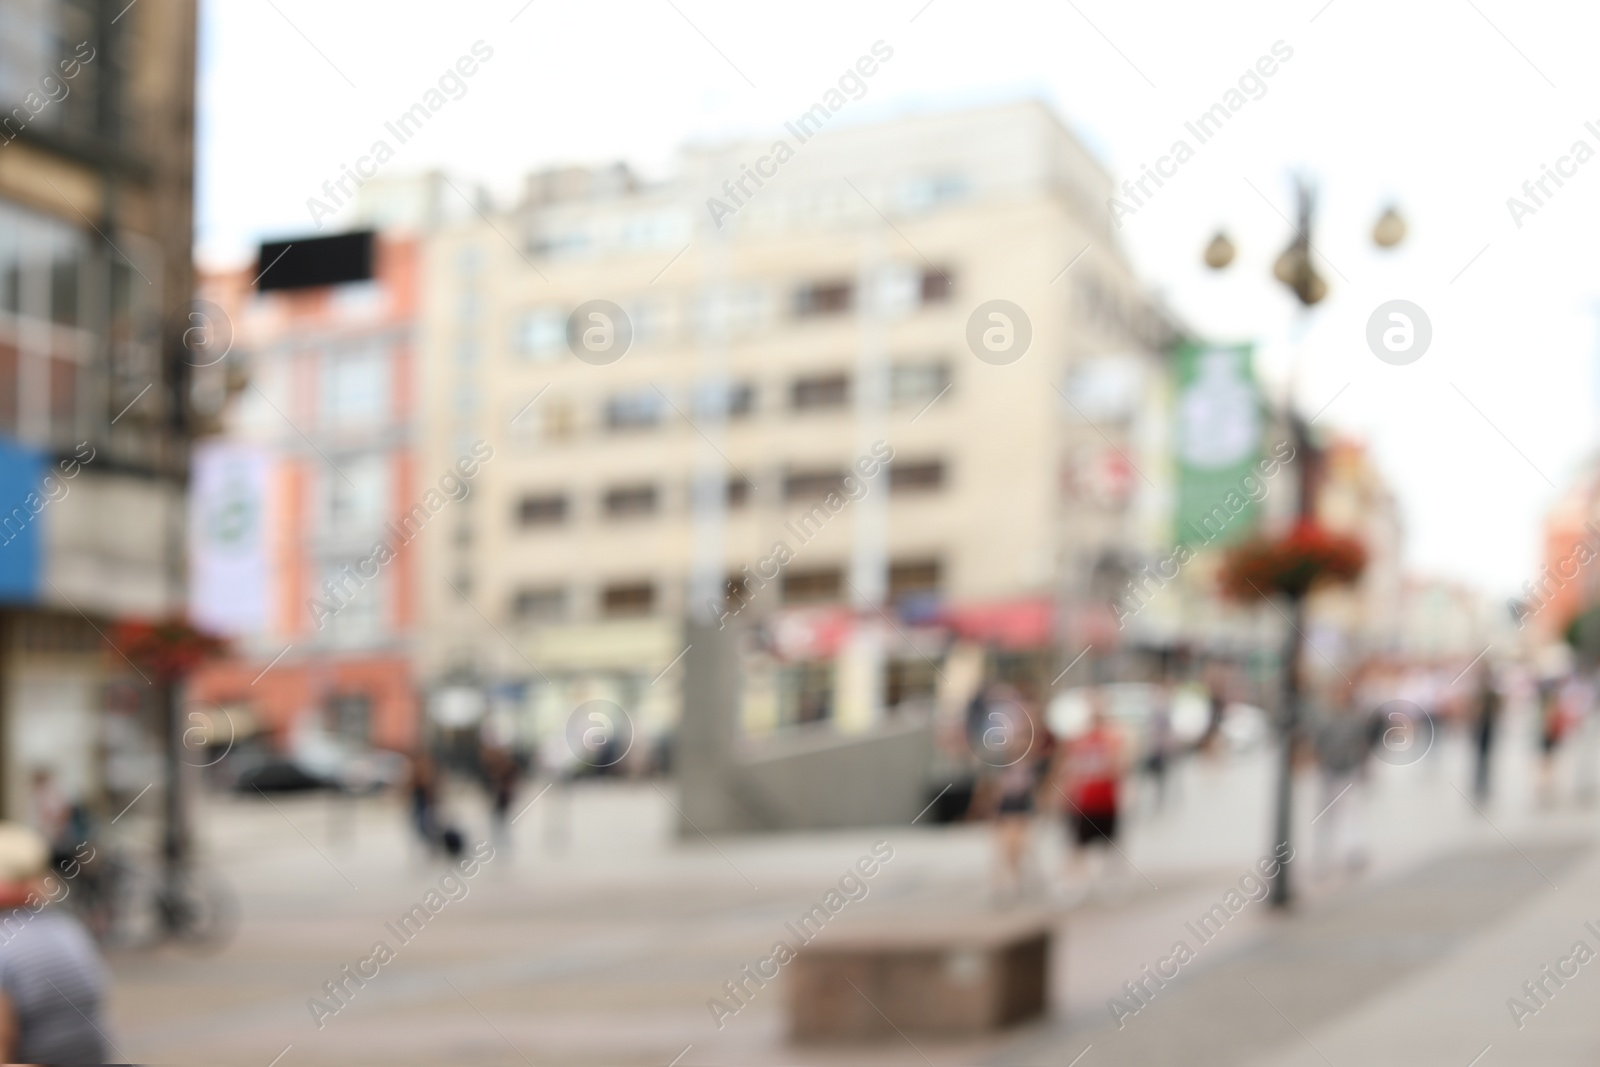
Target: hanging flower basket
[
  {"x": 1306, "y": 557},
  {"x": 164, "y": 648}
]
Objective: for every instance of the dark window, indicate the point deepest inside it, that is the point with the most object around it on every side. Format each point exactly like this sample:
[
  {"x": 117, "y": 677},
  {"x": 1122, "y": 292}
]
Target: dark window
[
  {"x": 628, "y": 598},
  {"x": 910, "y": 577},
  {"x": 823, "y": 391},
  {"x": 936, "y": 286},
  {"x": 738, "y": 492},
  {"x": 813, "y": 586},
  {"x": 916, "y": 477},
  {"x": 543, "y": 510},
  {"x": 528, "y": 605},
  {"x": 909, "y": 679},
  {"x": 811, "y": 485},
  {"x": 630, "y": 500},
  {"x": 823, "y": 298}
]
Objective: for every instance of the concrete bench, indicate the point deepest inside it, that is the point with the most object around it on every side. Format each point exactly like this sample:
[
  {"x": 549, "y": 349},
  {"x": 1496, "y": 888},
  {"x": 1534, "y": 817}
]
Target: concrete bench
[{"x": 947, "y": 975}]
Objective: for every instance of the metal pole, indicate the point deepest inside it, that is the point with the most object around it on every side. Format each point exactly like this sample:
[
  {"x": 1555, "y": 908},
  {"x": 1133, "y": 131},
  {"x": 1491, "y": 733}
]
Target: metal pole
[{"x": 1289, "y": 715}]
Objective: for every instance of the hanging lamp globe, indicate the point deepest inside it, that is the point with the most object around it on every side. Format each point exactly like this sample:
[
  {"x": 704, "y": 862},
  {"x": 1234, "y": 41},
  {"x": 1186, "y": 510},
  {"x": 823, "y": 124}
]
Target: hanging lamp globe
[
  {"x": 1220, "y": 252},
  {"x": 1389, "y": 230}
]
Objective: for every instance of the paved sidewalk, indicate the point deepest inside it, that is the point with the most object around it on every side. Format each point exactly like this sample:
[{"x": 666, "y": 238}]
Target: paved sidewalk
[{"x": 598, "y": 936}]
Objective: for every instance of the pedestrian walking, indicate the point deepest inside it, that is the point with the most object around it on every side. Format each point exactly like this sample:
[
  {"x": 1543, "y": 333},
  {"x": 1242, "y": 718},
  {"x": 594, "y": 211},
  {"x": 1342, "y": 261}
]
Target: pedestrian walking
[
  {"x": 1342, "y": 739},
  {"x": 1212, "y": 741},
  {"x": 1087, "y": 778},
  {"x": 1486, "y": 716},
  {"x": 52, "y": 980},
  {"x": 423, "y": 786},
  {"x": 1007, "y": 744},
  {"x": 500, "y": 777},
  {"x": 1552, "y": 731},
  {"x": 1159, "y": 743}
]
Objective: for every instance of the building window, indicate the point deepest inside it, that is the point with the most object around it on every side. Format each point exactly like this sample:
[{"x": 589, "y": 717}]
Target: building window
[
  {"x": 44, "y": 342},
  {"x": 823, "y": 298},
  {"x": 651, "y": 320},
  {"x": 734, "y": 400},
  {"x": 547, "y": 509},
  {"x": 917, "y": 383},
  {"x": 916, "y": 477},
  {"x": 62, "y": 45},
  {"x": 541, "y": 334},
  {"x": 815, "y": 586},
  {"x": 354, "y": 497},
  {"x": 355, "y": 387},
  {"x": 819, "y": 391},
  {"x": 812, "y": 485},
  {"x": 909, "y": 680},
  {"x": 623, "y": 599},
  {"x": 936, "y": 286},
  {"x": 738, "y": 492},
  {"x": 632, "y": 501},
  {"x": 560, "y": 420},
  {"x": 347, "y": 605},
  {"x": 913, "y": 578},
  {"x": 349, "y": 717},
  {"x": 636, "y": 410},
  {"x": 926, "y": 192},
  {"x": 539, "y": 605}
]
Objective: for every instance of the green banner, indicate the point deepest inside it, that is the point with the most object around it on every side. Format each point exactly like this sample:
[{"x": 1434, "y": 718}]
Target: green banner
[{"x": 1216, "y": 443}]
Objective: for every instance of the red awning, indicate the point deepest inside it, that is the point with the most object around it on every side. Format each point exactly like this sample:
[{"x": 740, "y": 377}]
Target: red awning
[{"x": 1013, "y": 624}]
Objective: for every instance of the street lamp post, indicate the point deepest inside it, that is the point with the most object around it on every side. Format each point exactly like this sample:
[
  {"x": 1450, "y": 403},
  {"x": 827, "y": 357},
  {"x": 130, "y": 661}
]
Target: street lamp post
[{"x": 1295, "y": 270}]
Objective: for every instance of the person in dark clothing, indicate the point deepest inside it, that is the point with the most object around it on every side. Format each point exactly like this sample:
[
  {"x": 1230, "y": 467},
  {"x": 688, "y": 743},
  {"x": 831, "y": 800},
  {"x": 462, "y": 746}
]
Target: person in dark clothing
[
  {"x": 1483, "y": 727},
  {"x": 500, "y": 775},
  {"x": 424, "y": 789}
]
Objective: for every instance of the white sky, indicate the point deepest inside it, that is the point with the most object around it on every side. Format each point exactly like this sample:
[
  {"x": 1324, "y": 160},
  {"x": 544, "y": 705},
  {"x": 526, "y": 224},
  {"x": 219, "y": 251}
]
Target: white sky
[{"x": 1444, "y": 106}]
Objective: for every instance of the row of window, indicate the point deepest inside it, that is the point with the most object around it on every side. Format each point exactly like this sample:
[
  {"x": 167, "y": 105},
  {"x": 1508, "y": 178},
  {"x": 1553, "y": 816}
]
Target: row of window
[
  {"x": 645, "y": 498},
  {"x": 616, "y": 225},
  {"x": 911, "y": 384},
  {"x": 540, "y": 333},
  {"x": 795, "y": 587}
]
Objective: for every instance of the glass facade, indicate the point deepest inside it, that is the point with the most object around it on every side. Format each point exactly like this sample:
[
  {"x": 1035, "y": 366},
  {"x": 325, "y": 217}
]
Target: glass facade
[
  {"x": 45, "y": 343},
  {"x": 58, "y": 72}
]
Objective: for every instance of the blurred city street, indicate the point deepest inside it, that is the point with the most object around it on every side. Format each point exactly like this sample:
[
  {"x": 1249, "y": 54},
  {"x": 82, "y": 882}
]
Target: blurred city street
[
  {"x": 700, "y": 534},
  {"x": 595, "y": 937}
]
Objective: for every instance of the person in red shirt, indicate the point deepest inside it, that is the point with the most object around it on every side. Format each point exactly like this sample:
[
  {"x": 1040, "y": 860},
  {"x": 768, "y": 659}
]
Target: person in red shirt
[{"x": 1087, "y": 774}]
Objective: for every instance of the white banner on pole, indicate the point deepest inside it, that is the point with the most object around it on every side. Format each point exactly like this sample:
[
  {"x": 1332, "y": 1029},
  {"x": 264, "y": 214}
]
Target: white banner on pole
[{"x": 230, "y": 570}]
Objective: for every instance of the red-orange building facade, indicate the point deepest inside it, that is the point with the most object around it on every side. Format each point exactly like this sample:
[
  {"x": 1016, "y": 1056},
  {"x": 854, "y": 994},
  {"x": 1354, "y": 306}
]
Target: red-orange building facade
[{"x": 331, "y": 402}]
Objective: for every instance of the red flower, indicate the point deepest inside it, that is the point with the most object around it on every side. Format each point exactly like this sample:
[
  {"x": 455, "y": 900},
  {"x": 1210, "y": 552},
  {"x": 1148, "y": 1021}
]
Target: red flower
[
  {"x": 1307, "y": 556},
  {"x": 164, "y": 648}
]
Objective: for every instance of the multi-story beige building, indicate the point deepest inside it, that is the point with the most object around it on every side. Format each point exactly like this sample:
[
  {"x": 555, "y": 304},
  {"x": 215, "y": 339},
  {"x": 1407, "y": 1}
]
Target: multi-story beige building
[{"x": 768, "y": 326}]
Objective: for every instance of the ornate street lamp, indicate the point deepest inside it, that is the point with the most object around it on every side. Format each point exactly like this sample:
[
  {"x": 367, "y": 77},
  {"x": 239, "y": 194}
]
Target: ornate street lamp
[{"x": 1297, "y": 556}]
